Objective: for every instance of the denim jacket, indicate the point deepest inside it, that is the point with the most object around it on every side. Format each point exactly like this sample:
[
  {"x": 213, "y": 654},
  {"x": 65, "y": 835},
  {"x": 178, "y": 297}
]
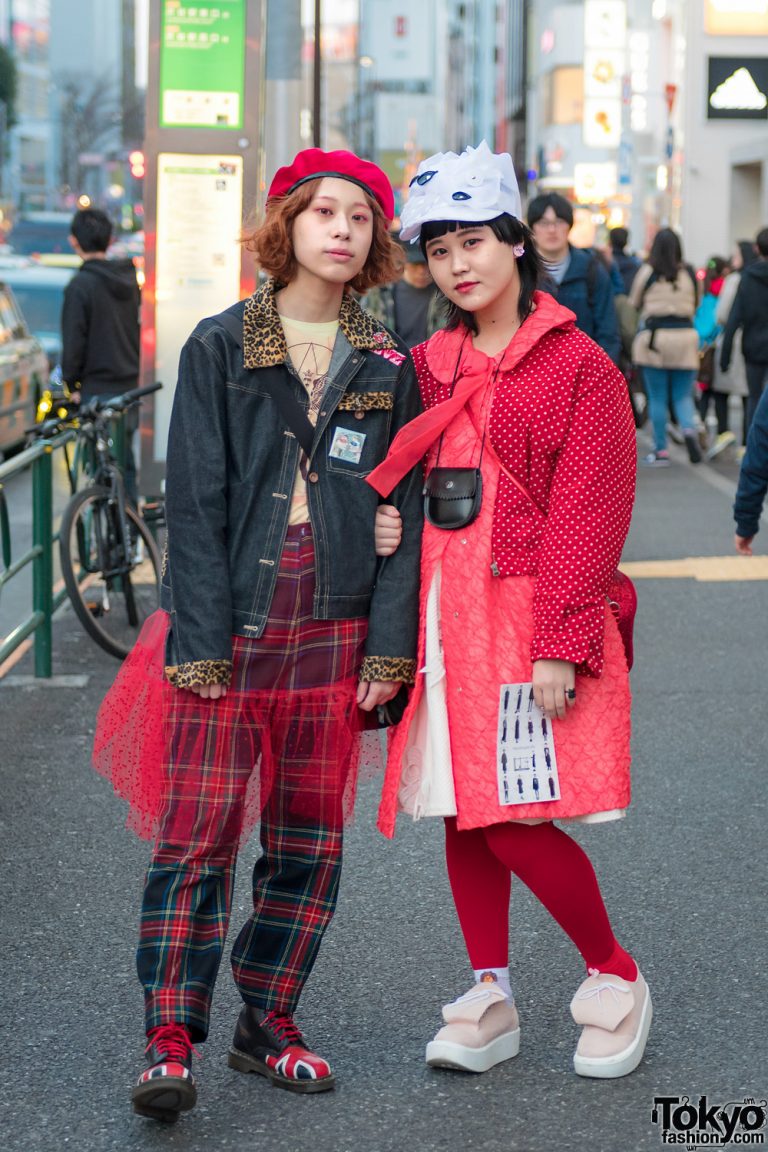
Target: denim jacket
[{"x": 231, "y": 467}]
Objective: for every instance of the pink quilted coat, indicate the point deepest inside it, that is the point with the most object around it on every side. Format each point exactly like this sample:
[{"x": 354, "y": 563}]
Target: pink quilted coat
[{"x": 523, "y": 583}]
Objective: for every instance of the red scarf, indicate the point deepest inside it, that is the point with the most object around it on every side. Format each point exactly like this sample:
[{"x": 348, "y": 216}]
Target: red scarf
[{"x": 455, "y": 348}]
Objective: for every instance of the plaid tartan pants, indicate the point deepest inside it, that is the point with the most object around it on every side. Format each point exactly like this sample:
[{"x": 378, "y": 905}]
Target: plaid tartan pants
[{"x": 286, "y": 717}]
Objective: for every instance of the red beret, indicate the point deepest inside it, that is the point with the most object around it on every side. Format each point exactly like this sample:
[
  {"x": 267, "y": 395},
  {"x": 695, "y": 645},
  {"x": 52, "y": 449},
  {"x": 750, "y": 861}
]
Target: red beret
[{"x": 313, "y": 163}]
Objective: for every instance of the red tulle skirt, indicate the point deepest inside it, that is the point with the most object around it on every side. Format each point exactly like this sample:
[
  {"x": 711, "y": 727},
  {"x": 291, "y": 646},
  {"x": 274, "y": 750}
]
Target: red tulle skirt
[
  {"x": 130, "y": 741},
  {"x": 288, "y": 732}
]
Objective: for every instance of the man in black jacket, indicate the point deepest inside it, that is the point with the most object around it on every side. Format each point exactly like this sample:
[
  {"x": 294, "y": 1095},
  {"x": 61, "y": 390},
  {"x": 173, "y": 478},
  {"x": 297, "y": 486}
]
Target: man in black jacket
[
  {"x": 750, "y": 313},
  {"x": 100, "y": 323}
]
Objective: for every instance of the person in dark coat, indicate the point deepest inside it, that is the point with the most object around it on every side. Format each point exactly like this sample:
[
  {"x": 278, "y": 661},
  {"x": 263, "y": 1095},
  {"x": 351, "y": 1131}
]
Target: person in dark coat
[
  {"x": 577, "y": 277},
  {"x": 100, "y": 324},
  {"x": 750, "y": 314},
  {"x": 627, "y": 264},
  {"x": 412, "y": 307},
  {"x": 100, "y": 317},
  {"x": 753, "y": 481}
]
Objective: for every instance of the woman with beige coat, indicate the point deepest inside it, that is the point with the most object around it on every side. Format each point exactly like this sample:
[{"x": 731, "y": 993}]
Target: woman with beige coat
[{"x": 667, "y": 344}]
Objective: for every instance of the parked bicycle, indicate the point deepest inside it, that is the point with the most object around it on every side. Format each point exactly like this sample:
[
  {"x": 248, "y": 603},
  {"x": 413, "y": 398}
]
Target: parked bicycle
[{"x": 110, "y": 561}]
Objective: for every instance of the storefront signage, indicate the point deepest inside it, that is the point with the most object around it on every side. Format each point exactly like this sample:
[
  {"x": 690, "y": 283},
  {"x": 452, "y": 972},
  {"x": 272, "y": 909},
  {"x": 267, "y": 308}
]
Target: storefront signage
[
  {"x": 736, "y": 17},
  {"x": 594, "y": 183},
  {"x": 398, "y": 37},
  {"x": 202, "y": 64},
  {"x": 199, "y": 210},
  {"x": 737, "y": 88},
  {"x": 605, "y": 29}
]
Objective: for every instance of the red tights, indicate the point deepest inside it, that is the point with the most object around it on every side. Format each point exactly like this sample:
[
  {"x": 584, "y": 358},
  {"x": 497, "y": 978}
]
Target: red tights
[{"x": 557, "y": 871}]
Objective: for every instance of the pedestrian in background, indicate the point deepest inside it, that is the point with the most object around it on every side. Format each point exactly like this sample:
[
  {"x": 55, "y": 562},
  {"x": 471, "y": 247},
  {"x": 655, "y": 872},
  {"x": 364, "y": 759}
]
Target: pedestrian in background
[
  {"x": 705, "y": 323},
  {"x": 749, "y": 315},
  {"x": 734, "y": 381},
  {"x": 513, "y": 608},
  {"x": 627, "y": 264},
  {"x": 623, "y": 267},
  {"x": 753, "y": 481},
  {"x": 411, "y": 306},
  {"x": 100, "y": 322},
  {"x": 279, "y": 632},
  {"x": 665, "y": 294},
  {"x": 577, "y": 277}
]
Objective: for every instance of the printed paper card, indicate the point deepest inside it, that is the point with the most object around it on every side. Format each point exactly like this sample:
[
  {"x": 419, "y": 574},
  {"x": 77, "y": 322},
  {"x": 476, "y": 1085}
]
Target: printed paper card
[{"x": 526, "y": 765}]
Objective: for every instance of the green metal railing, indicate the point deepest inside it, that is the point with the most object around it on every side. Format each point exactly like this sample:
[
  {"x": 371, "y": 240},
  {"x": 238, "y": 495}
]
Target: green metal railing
[
  {"x": 39, "y": 458},
  {"x": 40, "y": 556}
]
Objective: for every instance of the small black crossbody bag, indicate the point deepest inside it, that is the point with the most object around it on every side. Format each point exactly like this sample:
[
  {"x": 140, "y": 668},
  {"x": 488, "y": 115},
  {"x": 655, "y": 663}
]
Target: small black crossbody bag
[{"x": 453, "y": 497}]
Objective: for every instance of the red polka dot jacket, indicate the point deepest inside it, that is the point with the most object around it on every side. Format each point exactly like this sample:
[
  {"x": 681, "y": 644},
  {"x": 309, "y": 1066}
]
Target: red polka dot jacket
[{"x": 561, "y": 423}]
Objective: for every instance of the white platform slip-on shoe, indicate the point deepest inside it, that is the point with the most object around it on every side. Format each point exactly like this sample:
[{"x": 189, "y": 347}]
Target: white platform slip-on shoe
[
  {"x": 616, "y": 1015},
  {"x": 482, "y": 1029}
]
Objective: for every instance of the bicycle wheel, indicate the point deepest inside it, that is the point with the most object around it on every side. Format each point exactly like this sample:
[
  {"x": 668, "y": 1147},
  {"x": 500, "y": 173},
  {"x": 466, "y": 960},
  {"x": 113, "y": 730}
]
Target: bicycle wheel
[{"x": 111, "y": 594}]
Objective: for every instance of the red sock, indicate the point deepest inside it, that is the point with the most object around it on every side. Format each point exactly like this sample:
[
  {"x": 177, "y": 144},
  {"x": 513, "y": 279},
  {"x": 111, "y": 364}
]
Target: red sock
[
  {"x": 619, "y": 963},
  {"x": 561, "y": 876},
  {"x": 480, "y": 884}
]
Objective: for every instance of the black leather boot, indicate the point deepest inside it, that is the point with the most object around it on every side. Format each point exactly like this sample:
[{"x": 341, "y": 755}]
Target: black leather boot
[{"x": 270, "y": 1044}]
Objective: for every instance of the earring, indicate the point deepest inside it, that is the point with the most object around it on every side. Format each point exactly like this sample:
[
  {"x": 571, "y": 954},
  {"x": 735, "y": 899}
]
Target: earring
[{"x": 518, "y": 250}]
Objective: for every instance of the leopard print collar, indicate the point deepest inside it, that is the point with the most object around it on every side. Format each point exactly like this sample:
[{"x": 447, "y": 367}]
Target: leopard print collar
[{"x": 264, "y": 341}]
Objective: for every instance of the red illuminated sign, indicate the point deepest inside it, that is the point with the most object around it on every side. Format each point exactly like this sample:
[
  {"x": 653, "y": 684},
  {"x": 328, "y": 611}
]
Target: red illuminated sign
[{"x": 401, "y": 25}]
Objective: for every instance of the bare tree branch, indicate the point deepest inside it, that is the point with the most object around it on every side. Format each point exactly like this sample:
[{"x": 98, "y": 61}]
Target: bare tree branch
[{"x": 90, "y": 116}]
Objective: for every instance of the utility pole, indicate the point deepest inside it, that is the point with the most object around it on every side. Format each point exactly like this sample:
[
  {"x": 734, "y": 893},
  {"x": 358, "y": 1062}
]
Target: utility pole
[
  {"x": 3, "y": 135},
  {"x": 283, "y": 83},
  {"x": 317, "y": 78}
]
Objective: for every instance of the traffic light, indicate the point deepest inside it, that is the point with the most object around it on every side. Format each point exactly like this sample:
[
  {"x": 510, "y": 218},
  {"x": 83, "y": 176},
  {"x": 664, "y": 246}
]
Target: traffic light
[{"x": 136, "y": 161}]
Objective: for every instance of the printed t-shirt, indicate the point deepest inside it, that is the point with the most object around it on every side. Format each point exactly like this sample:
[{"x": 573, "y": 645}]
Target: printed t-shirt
[{"x": 310, "y": 347}]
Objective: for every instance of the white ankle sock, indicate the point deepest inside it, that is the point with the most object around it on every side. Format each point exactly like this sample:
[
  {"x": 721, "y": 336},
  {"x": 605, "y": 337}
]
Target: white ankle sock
[{"x": 498, "y": 976}]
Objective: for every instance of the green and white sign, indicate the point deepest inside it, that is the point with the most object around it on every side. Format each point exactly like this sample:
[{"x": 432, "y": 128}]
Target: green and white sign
[{"x": 202, "y": 64}]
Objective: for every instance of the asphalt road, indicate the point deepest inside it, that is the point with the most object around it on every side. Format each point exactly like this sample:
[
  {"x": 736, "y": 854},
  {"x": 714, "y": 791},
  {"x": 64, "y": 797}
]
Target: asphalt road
[{"x": 684, "y": 878}]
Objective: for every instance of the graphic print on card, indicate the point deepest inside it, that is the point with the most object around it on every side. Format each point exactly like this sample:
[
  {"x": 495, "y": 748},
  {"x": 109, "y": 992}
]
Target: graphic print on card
[
  {"x": 347, "y": 445},
  {"x": 526, "y": 765}
]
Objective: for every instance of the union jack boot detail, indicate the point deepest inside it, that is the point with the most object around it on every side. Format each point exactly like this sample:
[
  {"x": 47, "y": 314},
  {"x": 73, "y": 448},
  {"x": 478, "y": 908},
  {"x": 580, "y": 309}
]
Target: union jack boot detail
[
  {"x": 270, "y": 1044},
  {"x": 166, "y": 1087}
]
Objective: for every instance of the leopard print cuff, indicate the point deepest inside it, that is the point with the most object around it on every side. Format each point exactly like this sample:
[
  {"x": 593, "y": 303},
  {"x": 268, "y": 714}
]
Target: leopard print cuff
[
  {"x": 198, "y": 673},
  {"x": 388, "y": 668},
  {"x": 366, "y": 401}
]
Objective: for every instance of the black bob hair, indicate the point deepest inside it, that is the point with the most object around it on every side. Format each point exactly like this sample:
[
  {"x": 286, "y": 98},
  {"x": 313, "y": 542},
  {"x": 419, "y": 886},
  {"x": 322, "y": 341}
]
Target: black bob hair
[{"x": 510, "y": 231}]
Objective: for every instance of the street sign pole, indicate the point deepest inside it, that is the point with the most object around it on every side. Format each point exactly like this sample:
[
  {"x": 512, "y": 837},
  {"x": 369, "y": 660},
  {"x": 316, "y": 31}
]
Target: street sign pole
[
  {"x": 204, "y": 156},
  {"x": 317, "y": 78}
]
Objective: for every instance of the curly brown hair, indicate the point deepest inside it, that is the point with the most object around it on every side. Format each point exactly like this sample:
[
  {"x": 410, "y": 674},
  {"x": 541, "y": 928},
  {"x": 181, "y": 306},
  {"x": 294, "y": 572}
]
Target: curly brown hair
[{"x": 271, "y": 241}]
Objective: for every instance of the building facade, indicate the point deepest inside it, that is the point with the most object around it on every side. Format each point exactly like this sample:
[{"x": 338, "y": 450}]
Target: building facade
[
  {"x": 29, "y": 164},
  {"x": 725, "y": 167},
  {"x": 652, "y": 112},
  {"x": 96, "y": 113},
  {"x": 606, "y": 110},
  {"x": 78, "y": 109},
  {"x": 439, "y": 76}
]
